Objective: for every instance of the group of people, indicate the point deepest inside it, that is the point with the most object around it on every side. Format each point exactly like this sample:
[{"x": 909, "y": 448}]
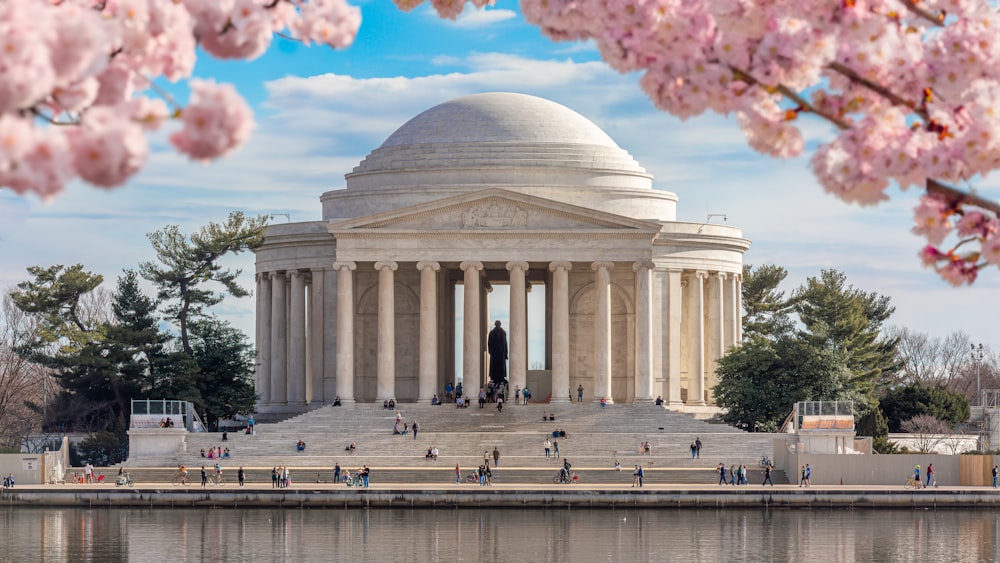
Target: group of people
[
  {"x": 432, "y": 453},
  {"x": 8, "y": 481},
  {"x": 361, "y": 476},
  {"x": 402, "y": 431},
  {"x": 389, "y": 404},
  {"x": 736, "y": 474},
  {"x": 280, "y": 478},
  {"x": 452, "y": 392},
  {"x": 696, "y": 448},
  {"x": 215, "y": 453},
  {"x": 551, "y": 447},
  {"x": 522, "y": 396}
]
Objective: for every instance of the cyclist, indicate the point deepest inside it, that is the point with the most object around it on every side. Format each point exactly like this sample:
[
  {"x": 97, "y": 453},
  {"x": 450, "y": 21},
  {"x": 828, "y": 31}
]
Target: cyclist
[
  {"x": 218, "y": 473},
  {"x": 564, "y": 472},
  {"x": 182, "y": 473}
]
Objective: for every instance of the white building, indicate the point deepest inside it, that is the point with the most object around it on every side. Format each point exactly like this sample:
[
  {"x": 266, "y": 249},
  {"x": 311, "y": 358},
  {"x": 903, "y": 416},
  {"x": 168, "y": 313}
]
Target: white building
[{"x": 489, "y": 189}]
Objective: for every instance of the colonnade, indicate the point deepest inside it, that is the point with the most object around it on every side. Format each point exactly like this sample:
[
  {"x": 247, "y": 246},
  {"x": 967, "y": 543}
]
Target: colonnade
[{"x": 702, "y": 308}]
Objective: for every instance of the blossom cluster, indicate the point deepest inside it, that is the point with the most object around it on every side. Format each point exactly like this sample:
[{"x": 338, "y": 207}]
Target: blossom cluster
[
  {"x": 78, "y": 92},
  {"x": 911, "y": 86}
]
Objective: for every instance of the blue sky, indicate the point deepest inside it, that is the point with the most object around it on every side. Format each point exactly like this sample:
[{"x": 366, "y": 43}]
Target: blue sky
[{"x": 319, "y": 112}]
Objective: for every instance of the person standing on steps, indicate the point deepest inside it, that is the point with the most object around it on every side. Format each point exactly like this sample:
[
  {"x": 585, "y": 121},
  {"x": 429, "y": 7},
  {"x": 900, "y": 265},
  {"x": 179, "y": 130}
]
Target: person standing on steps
[
  {"x": 336, "y": 472},
  {"x": 697, "y": 447},
  {"x": 579, "y": 394},
  {"x": 458, "y": 474},
  {"x": 496, "y": 457},
  {"x": 548, "y": 448},
  {"x": 416, "y": 428},
  {"x": 241, "y": 476}
]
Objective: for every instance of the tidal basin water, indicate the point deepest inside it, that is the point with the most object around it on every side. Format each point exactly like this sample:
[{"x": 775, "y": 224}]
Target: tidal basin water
[{"x": 575, "y": 535}]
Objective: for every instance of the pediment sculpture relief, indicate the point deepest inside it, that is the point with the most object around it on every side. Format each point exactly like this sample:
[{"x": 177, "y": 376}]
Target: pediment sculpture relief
[{"x": 495, "y": 216}]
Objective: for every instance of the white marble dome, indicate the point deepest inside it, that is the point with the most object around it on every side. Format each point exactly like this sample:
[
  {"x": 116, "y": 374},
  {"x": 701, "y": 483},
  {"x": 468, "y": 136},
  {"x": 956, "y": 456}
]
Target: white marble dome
[{"x": 500, "y": 139}]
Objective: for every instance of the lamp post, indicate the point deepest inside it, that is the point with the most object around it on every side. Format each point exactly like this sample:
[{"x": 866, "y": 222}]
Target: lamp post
[{"x": 977, "y": 356}]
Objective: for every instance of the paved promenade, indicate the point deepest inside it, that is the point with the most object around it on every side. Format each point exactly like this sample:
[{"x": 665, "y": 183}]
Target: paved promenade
[{"x": 408, "y": 495}]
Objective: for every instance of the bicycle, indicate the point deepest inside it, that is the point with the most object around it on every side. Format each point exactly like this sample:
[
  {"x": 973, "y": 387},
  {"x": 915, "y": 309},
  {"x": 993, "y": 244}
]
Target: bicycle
[
  {"x": 565, "y": 478},
  {"x": 125, "y": 479},
  {"x": 216, "y": 480},
  {"x": 764, "y": 462},
  {"x": 912, "y": 483},
  {"x": 181, "y": 480}
]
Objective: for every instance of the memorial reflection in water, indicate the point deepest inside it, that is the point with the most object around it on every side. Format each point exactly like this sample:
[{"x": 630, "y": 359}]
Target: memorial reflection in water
[{"x": 112, "y": 535}]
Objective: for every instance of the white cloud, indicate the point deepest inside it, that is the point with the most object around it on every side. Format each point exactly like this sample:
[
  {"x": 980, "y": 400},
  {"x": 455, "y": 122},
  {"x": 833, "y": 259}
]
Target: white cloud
[
  {"x": 482, "y": 17},
  {"x": 314, "y": 130}
]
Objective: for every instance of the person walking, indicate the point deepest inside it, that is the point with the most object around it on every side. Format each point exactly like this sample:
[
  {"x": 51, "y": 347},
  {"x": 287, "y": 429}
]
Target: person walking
[
  {"x": 697, "y": 447},
  {"x": 930, "y": 474},
  {"x": 336, "y": 473},
  {"x": 722, "y": 473},
  {"x": 365, "y": 472},
  {"x": 548, "y": 448},
  {"x": 555, "y": 448},
  {"x": 241, "y": 476},
  {"x": 994, "y": 476},
  {"x": 416, "y": 428},
  {"x": 579, "y": 394},
  {"x": 694, "y": 450},
  {"x": 500, "y": 404},
  {"x": 767, "y": 476},
  {"x": 496, "y": 457},
  {"x": 637, "y": 476},
  {"x": 274, "y": 477},
  {"x": 204, "y": 477},
  {"x": 458, "y": 474},
  {"x": 916, "y": 477},
  {"x": 808, "y": 478},
  {"x": 802, "y": 478}
]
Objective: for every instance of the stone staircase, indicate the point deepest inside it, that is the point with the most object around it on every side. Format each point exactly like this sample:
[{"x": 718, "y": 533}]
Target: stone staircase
[{"x": 595, "y": 438}]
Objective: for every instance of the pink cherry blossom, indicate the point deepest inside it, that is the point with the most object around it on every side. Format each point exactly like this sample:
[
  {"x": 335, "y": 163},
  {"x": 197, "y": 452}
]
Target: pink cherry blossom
[
  {"x": 932, "y": 219},
  {"x": 108, "y": 147},
  {"x": 216, "y": 121}
]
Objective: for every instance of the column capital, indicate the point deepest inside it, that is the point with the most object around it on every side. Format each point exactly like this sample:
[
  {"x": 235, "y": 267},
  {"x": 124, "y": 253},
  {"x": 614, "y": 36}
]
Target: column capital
[
  {"x": 465, "y": 266},
  {"x": 386, "y": 264},
  {"x": 261, "y": 276},
  {"x": 349, "y": 266},
  {"x": 643, "y": 265},
  {"x": 721, "y": 275},
  {"x": 602, "y": 265},
  {"x": 423, "y": 265},
  {"x": 275, "y": 274},
  {"x": 292, "y": 273},
  {"x": 560, "y": 265},
  {"x": 701, "y": 274},
  {"x": 523, "y": 266}
]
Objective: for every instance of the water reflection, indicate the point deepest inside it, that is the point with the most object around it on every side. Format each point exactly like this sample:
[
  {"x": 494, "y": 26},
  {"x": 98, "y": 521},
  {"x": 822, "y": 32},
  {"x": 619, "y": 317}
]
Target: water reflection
[{"x": 138, "y": 535}]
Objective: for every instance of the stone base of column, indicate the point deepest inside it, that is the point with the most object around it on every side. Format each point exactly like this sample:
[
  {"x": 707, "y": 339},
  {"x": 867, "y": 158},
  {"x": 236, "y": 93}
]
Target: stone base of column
[
  {"x": 344, "y": 401},
  {"x": 695, "y": 404},
  {"x": 560, "y": 400},
  {"x": 675, "y": 405}
]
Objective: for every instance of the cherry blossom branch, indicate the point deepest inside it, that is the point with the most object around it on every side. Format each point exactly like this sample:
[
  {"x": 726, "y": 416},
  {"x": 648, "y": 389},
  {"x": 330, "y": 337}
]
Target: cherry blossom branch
[
  {"x": 849, "y": 73},
  {"x": 792, "y": 95},
  {"x": 956, "y": 197},
  {"x": 164, "y": 94},
  {"x": 937, "y": 20},
  {"x": 51, "y": 118}
]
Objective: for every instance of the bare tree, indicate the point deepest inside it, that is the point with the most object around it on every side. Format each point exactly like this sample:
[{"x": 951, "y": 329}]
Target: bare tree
[
  {"x": 927, "y": 431},
  {"x": 21, "y": 382}
]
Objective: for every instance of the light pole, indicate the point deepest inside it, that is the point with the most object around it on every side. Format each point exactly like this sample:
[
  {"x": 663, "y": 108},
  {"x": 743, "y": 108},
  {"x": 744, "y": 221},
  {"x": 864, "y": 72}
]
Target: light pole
[{"x": 977, "y": 356}]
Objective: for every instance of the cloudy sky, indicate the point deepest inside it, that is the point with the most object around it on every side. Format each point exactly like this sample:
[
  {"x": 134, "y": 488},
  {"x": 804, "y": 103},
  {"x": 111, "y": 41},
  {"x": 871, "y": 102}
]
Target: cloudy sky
[{"x": 319, "y": 112}]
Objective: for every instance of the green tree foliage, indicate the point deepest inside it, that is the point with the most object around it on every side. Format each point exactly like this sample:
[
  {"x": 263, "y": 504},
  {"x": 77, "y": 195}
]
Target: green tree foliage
[
  {"x": 54, "y": 298},
  {"x": 225, "y": 360},
  {"x": 904, "y": 403},
  {"x": 851, "y": 320},
  {"x": 765, "y": 306},
  {"x": 761, "y": 380},
  {"x": 188, "y": 266}
]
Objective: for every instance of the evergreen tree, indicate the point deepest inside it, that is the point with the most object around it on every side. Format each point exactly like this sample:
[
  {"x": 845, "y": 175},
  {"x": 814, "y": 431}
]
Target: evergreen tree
[
  {"x": 225, "y": 360},
  {"x": 188, "y": 265},
  {"x": 766, "y": 308},
  {"x": 904, "y": 403}
]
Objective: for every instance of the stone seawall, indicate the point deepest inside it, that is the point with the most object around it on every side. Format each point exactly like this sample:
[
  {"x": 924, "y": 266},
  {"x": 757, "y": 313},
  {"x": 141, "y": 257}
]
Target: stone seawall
[{"x": 472, "y": 496}]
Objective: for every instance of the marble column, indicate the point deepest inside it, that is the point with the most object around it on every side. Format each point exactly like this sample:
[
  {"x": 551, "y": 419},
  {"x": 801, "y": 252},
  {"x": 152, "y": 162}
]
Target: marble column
[
  {"x": 673, "y": 352},
  {"x": 263, "y": 386},
  {"x": 385, "y": 385},
  {"x": 427, "y": 378},
  {"x": 643, "y": 330},
  {"x": 738, "y": 318},
  {"x": 471, "y": 342},
  {"x": 518, "y": 325},
  {"x": 696, "y": 339},
  {"x": 279, "y": 342},
  {"x": 716, "y": 333},
  {"x": 560, "y": 331},
  {"x": 297, "y": 340},
  {"x": 345, "y": 330},
  {"x": 602, "y": 330},
  {"x": 316, "y": 369}
]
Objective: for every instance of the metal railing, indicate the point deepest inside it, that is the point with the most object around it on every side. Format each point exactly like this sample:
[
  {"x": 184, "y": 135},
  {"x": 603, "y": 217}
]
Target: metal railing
[{"x": 152, "y": 413}]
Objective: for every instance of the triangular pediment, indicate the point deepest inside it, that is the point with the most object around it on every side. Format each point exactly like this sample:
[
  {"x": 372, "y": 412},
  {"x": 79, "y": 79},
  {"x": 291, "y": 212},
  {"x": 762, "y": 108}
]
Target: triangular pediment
[{"x": 490, "y": 210}]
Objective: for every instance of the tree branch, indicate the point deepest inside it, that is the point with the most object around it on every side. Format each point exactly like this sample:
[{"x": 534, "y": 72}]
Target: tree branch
[
  {"x": 937, "y": 20},
  {"x": 791, "y": 95},
  {"x": 956, "y": 197},
  {"x": 878, "y": 89}
]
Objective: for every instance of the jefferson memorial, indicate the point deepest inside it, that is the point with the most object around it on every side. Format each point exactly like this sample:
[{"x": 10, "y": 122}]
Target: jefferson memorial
[{"x": 376, "y": 300}]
